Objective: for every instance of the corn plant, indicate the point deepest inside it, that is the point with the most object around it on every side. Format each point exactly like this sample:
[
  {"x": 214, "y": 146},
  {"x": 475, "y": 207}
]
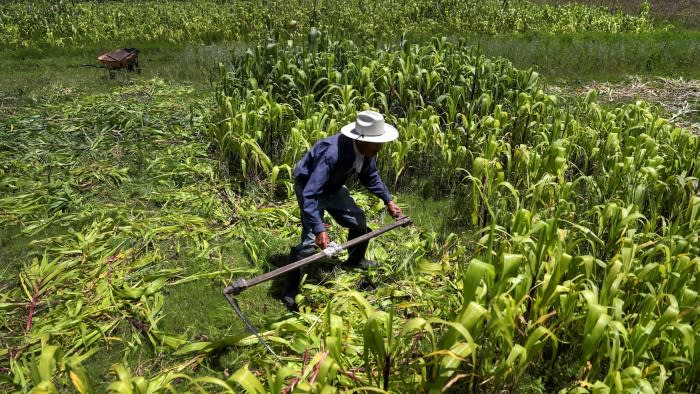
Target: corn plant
[{"x": 568, "y": 207}]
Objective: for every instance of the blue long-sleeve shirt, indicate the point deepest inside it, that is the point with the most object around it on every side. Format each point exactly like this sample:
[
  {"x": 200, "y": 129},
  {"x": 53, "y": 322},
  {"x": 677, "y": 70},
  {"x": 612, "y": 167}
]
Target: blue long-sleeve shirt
[{"x": 325, "y": 169}]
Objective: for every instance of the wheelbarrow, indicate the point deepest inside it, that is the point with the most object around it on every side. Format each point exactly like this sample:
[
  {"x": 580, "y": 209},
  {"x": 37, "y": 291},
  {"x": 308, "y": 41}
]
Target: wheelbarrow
[{"x": 117, "y": 60}]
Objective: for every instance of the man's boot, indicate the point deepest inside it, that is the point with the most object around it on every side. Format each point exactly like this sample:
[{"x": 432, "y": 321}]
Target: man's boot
[
  {"x": 356, "y": 254},
  {"x": 291, "y": 288}
]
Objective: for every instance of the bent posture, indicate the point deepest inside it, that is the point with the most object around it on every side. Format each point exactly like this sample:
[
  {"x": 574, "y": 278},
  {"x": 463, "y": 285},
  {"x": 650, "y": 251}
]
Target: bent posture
[{"x": 319, "y": 184}]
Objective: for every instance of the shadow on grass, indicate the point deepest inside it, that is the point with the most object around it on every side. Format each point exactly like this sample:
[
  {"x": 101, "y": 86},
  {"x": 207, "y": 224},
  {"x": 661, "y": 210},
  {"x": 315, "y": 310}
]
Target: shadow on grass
[
  {"x": 317, "y": 273},
  {"x": 278, "y": 284}
]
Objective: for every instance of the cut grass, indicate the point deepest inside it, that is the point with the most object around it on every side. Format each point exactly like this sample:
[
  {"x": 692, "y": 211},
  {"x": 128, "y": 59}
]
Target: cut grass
[
  {"x": 679, "y": 98},
  {"x": 150, "y": 193},
  {"x": 193, "y": 310}
]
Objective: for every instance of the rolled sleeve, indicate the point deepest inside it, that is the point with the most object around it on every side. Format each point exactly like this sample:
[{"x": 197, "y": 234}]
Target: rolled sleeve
[{"x": 312, "y": 192}]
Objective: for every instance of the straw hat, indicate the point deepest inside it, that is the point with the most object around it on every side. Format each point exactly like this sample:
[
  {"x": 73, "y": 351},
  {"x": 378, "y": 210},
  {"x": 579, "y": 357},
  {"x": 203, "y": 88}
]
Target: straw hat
[{"x": 369, "y": 126}]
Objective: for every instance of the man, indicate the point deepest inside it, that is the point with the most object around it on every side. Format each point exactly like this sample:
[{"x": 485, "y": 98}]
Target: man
[{"x": 319, "y": 184}]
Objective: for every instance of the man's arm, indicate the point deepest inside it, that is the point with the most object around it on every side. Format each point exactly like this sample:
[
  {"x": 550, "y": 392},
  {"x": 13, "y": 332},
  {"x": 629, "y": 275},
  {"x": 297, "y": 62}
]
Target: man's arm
[
  {"x": 369, "y": 176},
  {"x": 394, "y": 210},
  {"x": 311, "y": 194}
]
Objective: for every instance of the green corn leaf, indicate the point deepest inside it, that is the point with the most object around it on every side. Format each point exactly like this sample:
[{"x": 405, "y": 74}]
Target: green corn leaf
[
  {"x": 278, "y": 382},
  {"x": 477, "y": 271},
  {"x": 594, "y": 332},
  {"x": 81, "y": 380},
  {"x": 244, "y": 378},
  {"x": 510, "y": 263},
  {"x": 374, "y": 335},
  {"x": 273, "y": 175},
  {"x": 335, "y": 347},
  {"x": 427, "y": 267},
  {"x": 222, "y": 385},
  {"x": 47, "y": 362},
  {"x": 45, "y": 387},
  {"x": 455, "y": 356},
  {"x": 517, "y": 358}
]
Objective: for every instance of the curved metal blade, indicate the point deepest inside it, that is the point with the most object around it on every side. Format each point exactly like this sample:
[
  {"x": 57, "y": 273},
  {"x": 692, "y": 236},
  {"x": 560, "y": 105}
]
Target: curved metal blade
[{"x": 247, "y": 323}]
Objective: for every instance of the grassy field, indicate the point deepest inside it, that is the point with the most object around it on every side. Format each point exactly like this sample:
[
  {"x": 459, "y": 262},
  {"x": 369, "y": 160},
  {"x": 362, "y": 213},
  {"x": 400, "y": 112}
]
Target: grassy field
[
  {"x": 137, "y": 181},
  {"x": 568, "y": 58},
  {"x": 153, "y": 187},
  {"x": 684, "y": 13},
  {"x": 33, "y": 71},
  {"x": 118, "y": 181}
]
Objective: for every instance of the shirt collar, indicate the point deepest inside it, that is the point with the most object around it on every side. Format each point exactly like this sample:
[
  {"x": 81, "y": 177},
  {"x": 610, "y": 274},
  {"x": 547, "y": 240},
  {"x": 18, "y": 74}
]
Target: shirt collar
[{"x": 359, "y": 158}]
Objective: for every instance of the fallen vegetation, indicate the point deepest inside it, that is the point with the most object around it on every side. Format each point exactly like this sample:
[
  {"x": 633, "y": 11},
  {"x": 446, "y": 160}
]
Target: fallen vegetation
[{"x": 567, "y": 256}]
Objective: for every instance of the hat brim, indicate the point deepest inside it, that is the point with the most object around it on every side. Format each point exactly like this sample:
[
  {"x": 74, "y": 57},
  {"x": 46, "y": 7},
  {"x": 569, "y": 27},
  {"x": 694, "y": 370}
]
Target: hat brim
[{"x": 390, "y": 134}]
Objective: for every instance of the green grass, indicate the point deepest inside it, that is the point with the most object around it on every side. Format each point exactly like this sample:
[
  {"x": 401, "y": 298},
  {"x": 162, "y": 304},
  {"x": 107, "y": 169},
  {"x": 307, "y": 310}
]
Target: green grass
[
  {"x": 430, "y": 213},
  {"x": 684, "y": 13},
  {"x": 50, "y": 79},
  {"x": 593, "y": 56},
  {"x": 194, "y": 310},
  {"x": 43, "y": 76},
  {"x": 32, "y": 76}
]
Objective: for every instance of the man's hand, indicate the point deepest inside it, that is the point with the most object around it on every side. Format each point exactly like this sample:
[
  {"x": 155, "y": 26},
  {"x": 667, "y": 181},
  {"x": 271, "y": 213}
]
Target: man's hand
[
  {"x": 394, "y": 210},
  {"x": 322, "y": 240}
]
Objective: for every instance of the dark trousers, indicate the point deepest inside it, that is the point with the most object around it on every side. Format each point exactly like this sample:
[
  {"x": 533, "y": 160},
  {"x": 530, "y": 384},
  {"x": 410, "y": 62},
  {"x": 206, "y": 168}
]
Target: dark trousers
[{"x": 342, "y": 207}]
